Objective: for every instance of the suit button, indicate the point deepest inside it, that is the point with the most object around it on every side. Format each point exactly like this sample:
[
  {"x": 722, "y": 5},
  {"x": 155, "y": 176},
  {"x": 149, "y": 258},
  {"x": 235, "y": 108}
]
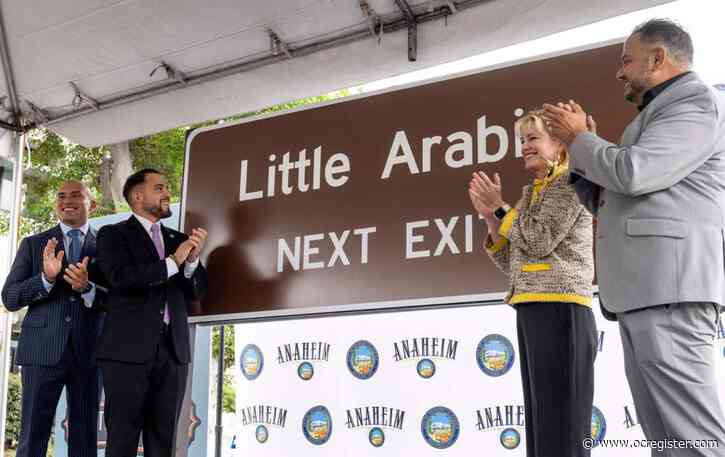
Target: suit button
[
  {"x": 161, "y": 311},
  {"x": 67, "y": 318},
  {"x": 73, "y": 299}
]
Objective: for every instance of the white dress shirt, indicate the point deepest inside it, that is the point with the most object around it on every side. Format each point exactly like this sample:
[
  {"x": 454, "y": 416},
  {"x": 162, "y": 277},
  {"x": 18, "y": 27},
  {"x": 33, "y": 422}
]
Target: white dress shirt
[
  {"x": 89, "y": 296},
  {"x": 171, "y": 267}
]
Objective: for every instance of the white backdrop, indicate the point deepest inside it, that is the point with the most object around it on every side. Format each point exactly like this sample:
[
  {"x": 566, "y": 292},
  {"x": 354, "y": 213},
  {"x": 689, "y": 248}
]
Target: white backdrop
[{"x": 458, "y": 384}]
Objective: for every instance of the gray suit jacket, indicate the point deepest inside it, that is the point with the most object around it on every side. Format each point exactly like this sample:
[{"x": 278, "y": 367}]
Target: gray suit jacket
[{"x": 659, "y": 198}]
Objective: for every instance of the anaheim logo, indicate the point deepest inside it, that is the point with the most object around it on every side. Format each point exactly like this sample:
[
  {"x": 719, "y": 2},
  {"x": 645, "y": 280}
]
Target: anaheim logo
[
  {"x": 306, "y": 353},
  {"x": 426, "y": 351},
  {"x": 376, "y": 420},
  {"x": 263, "y": 416},
  {"x": 507, "y": 421}
]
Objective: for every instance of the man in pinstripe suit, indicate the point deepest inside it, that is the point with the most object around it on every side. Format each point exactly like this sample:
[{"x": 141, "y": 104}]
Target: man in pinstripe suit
[{"x": 54, "y": 275}]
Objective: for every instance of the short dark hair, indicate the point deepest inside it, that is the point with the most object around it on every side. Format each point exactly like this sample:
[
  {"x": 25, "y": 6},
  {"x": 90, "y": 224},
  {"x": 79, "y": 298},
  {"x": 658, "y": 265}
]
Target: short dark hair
[
  {"x": 134, "y": 180},
  {"x": 669, "y": 34}
]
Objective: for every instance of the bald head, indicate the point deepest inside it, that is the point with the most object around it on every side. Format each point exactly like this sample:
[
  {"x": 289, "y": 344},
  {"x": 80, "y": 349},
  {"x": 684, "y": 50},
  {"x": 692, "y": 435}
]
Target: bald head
[{"x": 73, "y": 203}]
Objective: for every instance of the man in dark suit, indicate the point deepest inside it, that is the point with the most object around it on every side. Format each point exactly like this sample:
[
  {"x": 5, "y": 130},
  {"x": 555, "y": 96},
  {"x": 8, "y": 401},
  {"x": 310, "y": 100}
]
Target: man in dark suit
[
  {"x": 50, "y": 275},
  {"x": 155, "y": 275}
]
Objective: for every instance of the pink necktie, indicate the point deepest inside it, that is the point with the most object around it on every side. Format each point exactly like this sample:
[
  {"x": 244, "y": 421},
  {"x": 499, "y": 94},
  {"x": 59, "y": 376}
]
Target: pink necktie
[{"x": 156, "y": 238}]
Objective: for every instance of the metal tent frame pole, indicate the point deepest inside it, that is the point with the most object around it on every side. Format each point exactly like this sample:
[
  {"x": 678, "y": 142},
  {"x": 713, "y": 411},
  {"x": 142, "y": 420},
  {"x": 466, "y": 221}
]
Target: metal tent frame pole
[
  {"x": 18, "y": 144},
  {"x": 219, "y": 395},
  {"x": 407, "y": 20}
]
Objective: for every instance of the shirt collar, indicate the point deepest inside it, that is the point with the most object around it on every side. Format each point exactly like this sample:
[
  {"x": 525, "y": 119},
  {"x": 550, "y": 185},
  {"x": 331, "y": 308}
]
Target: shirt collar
[
  {"x": 66, "y": 228},
  {"x": 145, "y": 222},
  {"x": 658, "y": 89}
]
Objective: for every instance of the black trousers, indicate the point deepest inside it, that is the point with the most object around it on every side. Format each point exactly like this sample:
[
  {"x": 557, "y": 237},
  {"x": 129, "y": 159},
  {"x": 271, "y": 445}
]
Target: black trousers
[
  {"x": 42, "y": 387},
  {"x": 557, "y": 347},
  {"x": 143, "y": 398}
]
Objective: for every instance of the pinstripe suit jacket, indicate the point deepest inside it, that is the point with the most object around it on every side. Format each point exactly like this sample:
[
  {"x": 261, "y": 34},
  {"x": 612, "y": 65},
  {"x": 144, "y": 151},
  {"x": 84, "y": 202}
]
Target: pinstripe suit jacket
[{"x": 52, "y": 316}]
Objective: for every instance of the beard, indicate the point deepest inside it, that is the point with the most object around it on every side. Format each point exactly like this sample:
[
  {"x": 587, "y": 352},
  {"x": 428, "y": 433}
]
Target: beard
[
  {"x": 637, "y": 88},
  {"x": 159, "y": 210},
  {"x": 635, "y": 92}
]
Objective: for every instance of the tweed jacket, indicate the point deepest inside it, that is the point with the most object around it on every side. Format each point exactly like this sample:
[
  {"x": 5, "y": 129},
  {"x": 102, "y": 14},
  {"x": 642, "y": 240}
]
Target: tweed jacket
[{"x": 546, "y": 245}]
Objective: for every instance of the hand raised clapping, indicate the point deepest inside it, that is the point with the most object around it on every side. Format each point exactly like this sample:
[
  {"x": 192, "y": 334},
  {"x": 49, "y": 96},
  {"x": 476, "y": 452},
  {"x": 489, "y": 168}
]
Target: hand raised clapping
[
  {"x": 485, "y": 193},
  {"x": 189, "y": 250},
  {"x": 52, "y": 263},
  {"x": 77, "y": 275}
]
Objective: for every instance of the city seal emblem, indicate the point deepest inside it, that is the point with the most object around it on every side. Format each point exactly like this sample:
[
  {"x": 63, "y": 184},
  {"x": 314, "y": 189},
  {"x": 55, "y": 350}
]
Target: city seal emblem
[
  {"x": 317, "y": 425},
  {"x": 426, "y": 368},
  {"x": 305, "y": 371},
  {"x": 599, "y": 426},
  {"x": 495, "y": 355},
  {"x": 362, "y": 360},
  {"x": 440, "y": 427},
  {"x": 376, "y": 436},
  {"x": 251, "y": 361},
  {"x": 261, "y": 433},
  {"x": 510, "y": 438}
]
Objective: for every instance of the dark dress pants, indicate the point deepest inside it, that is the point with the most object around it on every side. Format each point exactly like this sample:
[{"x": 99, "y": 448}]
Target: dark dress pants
[
  {"x": 42, "y": 387},
  {"x": 557, "y": 347},
  {"x": 143, "y": 399}
]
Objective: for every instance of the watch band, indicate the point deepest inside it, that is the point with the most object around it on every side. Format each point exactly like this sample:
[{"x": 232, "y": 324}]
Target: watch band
[{"x": 501, "y": 211}]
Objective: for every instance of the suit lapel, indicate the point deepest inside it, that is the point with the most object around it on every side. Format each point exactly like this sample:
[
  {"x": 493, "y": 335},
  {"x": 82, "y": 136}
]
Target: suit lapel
[
  {"x": 170, "y": 240},
  {"x": 636, "y": 127},
  {"x": 142, "y": 238},
  {"x": 89, "y": 245},
  {"x": 674, "y": 92},
  {"x": 57, "y": 233}
]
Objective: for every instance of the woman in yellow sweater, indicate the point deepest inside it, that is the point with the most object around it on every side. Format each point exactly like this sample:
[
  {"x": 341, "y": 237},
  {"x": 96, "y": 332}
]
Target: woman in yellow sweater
[{"x": 544, "y": 246}]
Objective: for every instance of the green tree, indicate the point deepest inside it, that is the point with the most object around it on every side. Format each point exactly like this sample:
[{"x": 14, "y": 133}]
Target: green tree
[
  {"x": 228, "y": 392},
  {"x": 228, "y": 345},
  {"x": 12, "y": 420},
  {"x": 51, "y": 161},
  {"x": 229, "y": 395},
  {"x": 165, "y": 152},
  {"x": 4, "y": 221}
]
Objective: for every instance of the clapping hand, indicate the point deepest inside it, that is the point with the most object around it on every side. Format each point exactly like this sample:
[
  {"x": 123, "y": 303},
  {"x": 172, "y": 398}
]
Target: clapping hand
[
  {"x": 189, "y": 250},
  {"x": 52, "y": 263},
  {"x": 197, "y": 239},
  {"x": 485, "y": 193},
  {"x": 77, "y": 275},
  {"x": 567, "y": 120}
]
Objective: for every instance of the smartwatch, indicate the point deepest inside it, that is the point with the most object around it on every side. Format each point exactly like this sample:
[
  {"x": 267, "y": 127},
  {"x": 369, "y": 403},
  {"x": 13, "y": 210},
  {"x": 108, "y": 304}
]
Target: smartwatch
[{"x": 501, "y": 211}]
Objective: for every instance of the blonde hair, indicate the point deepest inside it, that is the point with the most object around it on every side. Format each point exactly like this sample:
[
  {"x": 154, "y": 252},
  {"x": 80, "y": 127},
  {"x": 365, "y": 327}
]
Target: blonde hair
[{"x": 535, "y": 119}]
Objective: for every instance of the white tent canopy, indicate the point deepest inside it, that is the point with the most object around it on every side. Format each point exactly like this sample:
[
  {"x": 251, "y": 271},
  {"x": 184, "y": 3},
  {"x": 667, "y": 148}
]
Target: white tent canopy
[{"x": 85, "y": 68}]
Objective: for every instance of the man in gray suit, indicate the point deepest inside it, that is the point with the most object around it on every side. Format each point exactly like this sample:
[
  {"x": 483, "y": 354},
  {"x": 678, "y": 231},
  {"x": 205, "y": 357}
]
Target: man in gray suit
[{"x": 659, "y": 197}]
